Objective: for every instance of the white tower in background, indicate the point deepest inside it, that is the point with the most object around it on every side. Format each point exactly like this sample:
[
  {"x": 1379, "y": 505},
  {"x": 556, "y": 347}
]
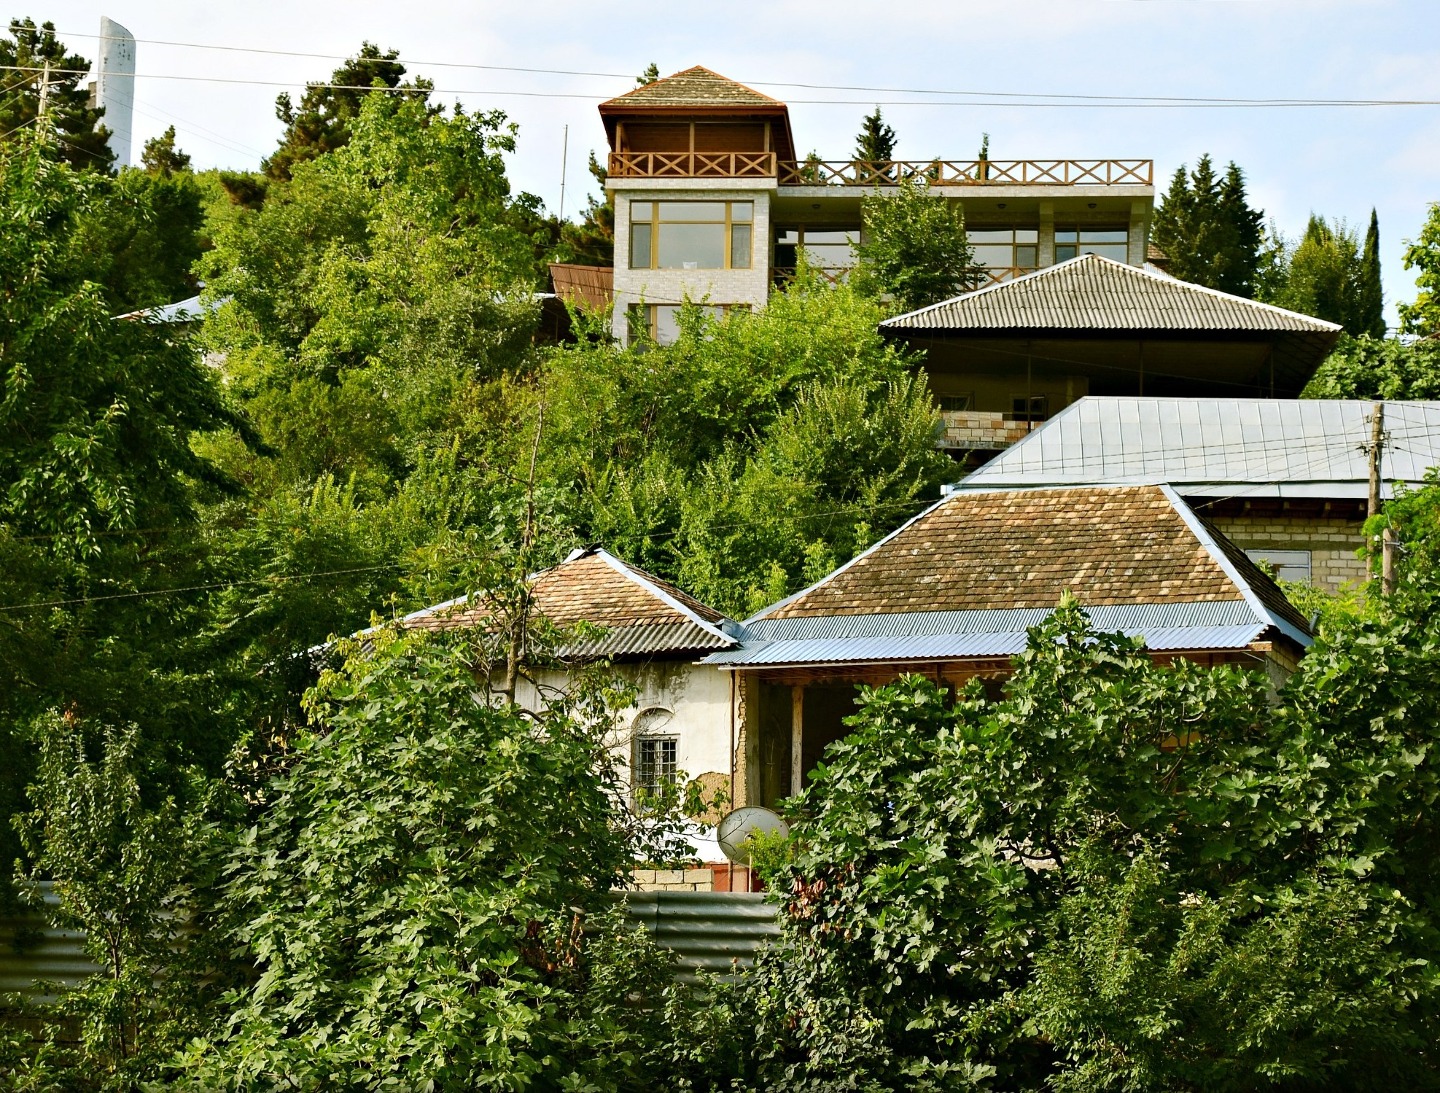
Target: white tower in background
[{"x": 115, "y": 86}]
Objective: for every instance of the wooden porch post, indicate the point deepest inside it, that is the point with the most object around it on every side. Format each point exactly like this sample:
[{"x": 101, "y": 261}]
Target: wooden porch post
[{"x": 797, "y": 738}]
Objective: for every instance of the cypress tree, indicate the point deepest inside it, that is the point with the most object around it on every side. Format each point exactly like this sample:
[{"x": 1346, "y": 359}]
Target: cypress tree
[{"x": 1370, "y": 303}]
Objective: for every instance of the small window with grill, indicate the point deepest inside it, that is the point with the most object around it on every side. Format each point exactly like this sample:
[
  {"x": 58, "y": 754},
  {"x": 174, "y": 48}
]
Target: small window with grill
[{"x": 656, "y": 759}]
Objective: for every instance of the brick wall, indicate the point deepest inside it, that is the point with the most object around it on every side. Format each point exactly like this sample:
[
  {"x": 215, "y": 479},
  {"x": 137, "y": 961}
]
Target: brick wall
[
  {"x": 1332, "y": 542},
  {"x": 981, "y": 429}
]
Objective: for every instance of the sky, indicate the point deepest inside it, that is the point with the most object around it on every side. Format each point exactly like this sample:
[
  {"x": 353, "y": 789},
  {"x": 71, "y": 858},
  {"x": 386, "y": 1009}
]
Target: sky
[{"x": 951, "y": 71}]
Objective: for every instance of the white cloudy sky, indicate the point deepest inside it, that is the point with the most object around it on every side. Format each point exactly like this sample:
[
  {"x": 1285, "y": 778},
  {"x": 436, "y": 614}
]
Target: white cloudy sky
[{"x": 1335, "y": 160}]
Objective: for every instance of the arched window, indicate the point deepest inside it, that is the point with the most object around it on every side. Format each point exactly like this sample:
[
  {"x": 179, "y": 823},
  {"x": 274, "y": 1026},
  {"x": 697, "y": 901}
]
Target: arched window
[{"x": 656, "y": 755}]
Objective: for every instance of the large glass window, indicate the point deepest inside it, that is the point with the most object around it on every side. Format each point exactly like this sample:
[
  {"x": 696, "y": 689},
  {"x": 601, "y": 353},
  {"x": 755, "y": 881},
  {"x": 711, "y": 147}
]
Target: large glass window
[
  {"x": 831, "y": 250},
  {"x": 660, "y": 323},
  {"x": 1006, "y": 252},
  {"x": 1106, "y": 242},
  {"x": 691, "y": 234}
]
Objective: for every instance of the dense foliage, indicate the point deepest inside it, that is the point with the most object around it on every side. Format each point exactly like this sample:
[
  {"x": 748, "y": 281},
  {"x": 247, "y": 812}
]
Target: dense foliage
[
  {"x": 1422, "y": 316},
  {"x": 914, "y": 251},
  {"x": 1385, "y": 368},
  {"x": 1121, "y": 876},
  {"x": 1210, "y": 234},
  {"x": 1330, "y": 274},
  {"x": 33, "y": 53}
]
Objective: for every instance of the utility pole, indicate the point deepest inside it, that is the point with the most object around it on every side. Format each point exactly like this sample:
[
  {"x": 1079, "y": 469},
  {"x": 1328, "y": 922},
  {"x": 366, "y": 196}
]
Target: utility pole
[
  {"x": 1376, "y": 451},
  {"x": 44, "y": 88},
  {"x": 564, "y": 158}
]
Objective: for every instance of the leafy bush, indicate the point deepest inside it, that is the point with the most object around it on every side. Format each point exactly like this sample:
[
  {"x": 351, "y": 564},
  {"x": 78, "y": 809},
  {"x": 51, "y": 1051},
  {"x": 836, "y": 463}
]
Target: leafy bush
[{"x": 1119, "y": 875}]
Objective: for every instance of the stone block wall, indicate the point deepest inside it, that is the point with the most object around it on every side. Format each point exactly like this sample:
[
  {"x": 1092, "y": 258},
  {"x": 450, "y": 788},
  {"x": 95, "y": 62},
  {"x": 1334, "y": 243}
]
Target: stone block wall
[
  {"x": 674, "y": 880},
  {"x": 968, "y": 429},
  {"x": 1331, "y": 541}
]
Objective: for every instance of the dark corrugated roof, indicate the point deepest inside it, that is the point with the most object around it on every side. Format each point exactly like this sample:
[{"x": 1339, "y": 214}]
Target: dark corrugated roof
[
  {"x": 1095, "y": 293},
  {"x": 698, "y": 87}
]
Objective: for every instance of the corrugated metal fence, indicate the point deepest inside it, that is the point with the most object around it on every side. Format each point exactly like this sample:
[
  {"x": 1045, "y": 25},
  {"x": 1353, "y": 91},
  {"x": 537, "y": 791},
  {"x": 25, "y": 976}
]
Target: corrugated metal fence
[{"x": 716, "y": 932}]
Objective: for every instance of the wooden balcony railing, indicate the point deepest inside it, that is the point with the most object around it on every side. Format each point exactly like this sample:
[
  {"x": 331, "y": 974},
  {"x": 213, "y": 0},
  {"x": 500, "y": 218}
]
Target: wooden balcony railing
[
  {"x": 692, "y": 165},
  {"x": 969, "y": 172},
  {"x": 854, "y": 172}
]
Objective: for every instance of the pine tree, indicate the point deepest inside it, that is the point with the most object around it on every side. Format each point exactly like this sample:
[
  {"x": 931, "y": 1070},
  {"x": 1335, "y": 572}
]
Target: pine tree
[
  {"x": 162, "y": 158},
  {"x": 322, "y": 122},
  {"x": 1370, "y": 310},
  {"x": 24, "y": 57},
  {"x": 649, "y": 76},
  {"x": 1206, "y": 226},
  {"x": 875, "y": 142}
]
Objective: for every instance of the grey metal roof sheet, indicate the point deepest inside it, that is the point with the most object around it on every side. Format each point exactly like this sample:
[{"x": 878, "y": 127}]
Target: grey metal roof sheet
[
  {"x": 1221, "y": 446},
  {"x": 888, "y": 649},
  {"x": 1017, "y": 620},
  {"x": 623, "y": 641},
  {"x": 1095, "y": 293}
]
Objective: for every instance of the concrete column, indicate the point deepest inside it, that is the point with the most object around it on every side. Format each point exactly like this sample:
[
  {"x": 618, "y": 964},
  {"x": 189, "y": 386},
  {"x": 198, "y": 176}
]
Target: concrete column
[
  {"x": 115, "y": 86},
  {"x": 1139, "y": 231},
  {"x": 1047, "y": 234},
  {"x": 797, "y": 738}
]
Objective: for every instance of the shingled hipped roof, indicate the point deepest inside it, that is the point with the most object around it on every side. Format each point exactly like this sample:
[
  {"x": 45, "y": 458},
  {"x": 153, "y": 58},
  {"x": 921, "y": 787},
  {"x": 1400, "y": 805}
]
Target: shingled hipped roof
[
  {"x": 694, "y": 87},
  {"x": 969, "y": 575},
  {"x": 1095, "y": 293},
  {"x": 640, "y": 613}
]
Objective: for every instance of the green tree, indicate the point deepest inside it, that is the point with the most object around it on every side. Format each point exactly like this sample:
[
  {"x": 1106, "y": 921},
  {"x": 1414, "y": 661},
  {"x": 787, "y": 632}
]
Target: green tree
[
  {"x": 161, "y": 156},
  {"x": 649, "y": 76},
  {"x": 425, "y": 897},
  {"x": 99, "y": 490},
  {"x": 1423, "y": 316},
  {"x": 322, "y": 121},
  {"x": 1371, "y": 368},
  {"x": 124, "y": 873},
  {"x": 1119, "y": 875},
  {"x": 143, "y": 236},
  {"x": 1208, "y": 229},
  {"x": 24, "y": 58},
  {"x": 875, "y": 142},
  {"x": 915, "y": 250},
  {"x": 1326, "y": 275},
  {"x": 1370, "y": 305}
]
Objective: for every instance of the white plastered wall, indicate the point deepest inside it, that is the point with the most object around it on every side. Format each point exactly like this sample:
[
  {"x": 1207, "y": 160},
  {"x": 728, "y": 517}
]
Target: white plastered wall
[{"x": 697, "y": 697}]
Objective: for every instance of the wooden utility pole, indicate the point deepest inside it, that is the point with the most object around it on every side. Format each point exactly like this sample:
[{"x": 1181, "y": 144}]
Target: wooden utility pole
[{"x": 1372, "y": 508}]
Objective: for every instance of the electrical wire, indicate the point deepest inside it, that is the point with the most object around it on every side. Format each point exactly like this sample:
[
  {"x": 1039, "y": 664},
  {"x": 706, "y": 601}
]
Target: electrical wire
[{"x": 1042, "y": 98}]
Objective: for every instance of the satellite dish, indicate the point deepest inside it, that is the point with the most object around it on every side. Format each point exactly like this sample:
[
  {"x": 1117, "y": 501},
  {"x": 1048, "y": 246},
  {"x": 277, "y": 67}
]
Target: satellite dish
[{"x": 734, "y": 831}]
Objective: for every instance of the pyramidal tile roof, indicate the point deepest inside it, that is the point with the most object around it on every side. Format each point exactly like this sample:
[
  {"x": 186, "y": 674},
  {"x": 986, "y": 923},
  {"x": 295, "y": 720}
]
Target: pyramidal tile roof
[
  {"x": 1094, "y": 293},
  {"x": 695, "y": 87},
  {"x": 970, "y": 574},
  {"x": 639, "y": 612}
]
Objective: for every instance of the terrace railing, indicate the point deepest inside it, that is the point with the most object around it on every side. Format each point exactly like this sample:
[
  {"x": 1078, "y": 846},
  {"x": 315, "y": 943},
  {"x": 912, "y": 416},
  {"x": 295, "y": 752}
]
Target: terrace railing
[
  {"x": 856, "y": 172},
  {"x": 969, "y": 172},
  {"x": 692, "y": 165}
]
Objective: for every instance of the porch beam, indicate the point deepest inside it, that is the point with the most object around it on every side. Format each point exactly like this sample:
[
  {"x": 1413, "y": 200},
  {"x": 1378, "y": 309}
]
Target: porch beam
[{"x": 797, "y": 738}]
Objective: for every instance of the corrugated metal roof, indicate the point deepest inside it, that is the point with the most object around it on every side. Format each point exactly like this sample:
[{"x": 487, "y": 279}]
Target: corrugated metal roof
[
  {"x": 1221, "y": 447},
  {"x": 624, "y": 641},
  {"x": 1095, "y": 293},
  {"x": 1016, "y": 620},
  {"x": 929, "y": 647}
]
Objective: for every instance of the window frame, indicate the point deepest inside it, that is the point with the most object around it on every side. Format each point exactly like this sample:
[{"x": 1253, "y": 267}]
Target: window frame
[
  {"x": 1080, "y": 242},
  {"x": 654, "y": 224}
]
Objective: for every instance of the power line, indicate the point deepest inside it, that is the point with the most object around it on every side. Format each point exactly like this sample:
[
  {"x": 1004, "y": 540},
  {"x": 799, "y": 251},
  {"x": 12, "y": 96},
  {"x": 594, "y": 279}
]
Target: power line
[
  {"x": 280, "y": 579},
  {"x": 1047, "y": 97},
  {"x": 1007, "y": 99}
]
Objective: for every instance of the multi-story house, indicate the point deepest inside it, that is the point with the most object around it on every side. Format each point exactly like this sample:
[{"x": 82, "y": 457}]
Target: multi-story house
[{"x": 714, "y": 204}]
